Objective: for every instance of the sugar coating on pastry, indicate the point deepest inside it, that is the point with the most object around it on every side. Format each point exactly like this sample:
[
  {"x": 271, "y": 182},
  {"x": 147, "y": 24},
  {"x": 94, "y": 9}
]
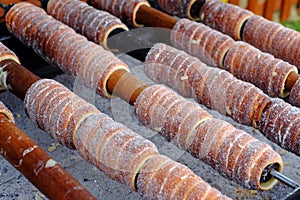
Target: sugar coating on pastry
[
  {"x": 280, "y": 124},
  {"x": 113, "y": 148},
  {"x": 212, "y": 87},
  {"x": 175, "y": 66},
  {"x": 202, "y": 42},
  {"x": 96, "y": 25},
  {"x": 175, "y": 117},
  {"x": 227, "y": 18},
  {"x": 294, "y": 97},
  {"x": 164, "y": 178},
  {"x": 262, "y": 69},
  {"x": 278, "y": 40},
  {"x": 232, "y": 152},
  {"x": 179, "y": 8},
  {"x": 124, "y": 9},
  {"x": 62, "y": 119},
  {"x": 59, "y": 44}
]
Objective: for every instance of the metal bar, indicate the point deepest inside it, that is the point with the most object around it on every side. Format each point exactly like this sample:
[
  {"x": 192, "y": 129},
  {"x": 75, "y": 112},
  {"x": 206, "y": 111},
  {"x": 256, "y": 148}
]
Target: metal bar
[{"x": 289, "y": 182}]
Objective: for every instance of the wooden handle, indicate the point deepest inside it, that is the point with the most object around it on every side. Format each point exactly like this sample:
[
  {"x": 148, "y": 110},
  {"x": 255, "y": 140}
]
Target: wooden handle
[
  {"x": 19, "y": 79},
  {"x": 37, "y": 166},
  {"x": 124, "y": 85},
  {"x": 154, "y": 18}
]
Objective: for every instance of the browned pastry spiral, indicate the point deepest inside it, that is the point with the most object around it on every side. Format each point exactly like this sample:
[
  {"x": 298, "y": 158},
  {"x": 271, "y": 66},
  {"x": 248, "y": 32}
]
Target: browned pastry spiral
[
  {"x": 239, "y": 58},
  {"x": 113, "y": 148},
  {"x": 171, "y": 115},
  {"x": 130, "y": 159},
  {"x": 57, "y": 110},
  {"x": 295, "y": 94},
  {"x": 263, "y": 70},
  {"x": 273, "y": 38},
  {"x": 157, "y": 67},
  {"x": 179, "y": 8},
  {"x": 219, "y": 90},
  {"x": 124, "y": 9},
  {"x": 163, "y": 178},
  {"x": 59, "y": 44},
  {"x": 232, "y": 152},
  {"x": 5, "y": 111},
  {"x": 224, "y": 17},
  {"x": 281, "y": 124},
  {"x": 212, "y": 87},
  {"x": 201, "y": 41},
  {"x": 96, "y": 25}
]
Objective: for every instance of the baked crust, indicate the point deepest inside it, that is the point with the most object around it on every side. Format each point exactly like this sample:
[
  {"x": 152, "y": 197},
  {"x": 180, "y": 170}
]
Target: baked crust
[
  {"x": 208, "y": 45},
  {"x": 280, "y": 123},
  {"x": 59, "y": 44},
  {"x": 94, "y": 24},
  {"x": 62, "y": 119},
  {"x": 125, "y": 10},
  {"x": 164, "y": 178},
  {"x": 213, "y": 87},
  {"x": 226, "y": 18}
]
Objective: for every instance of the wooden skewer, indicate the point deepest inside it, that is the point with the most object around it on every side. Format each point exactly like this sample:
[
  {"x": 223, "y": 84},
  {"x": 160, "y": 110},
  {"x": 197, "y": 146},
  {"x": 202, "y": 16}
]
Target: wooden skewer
[
  {"x": 19, "y": 78},
  {"x": 126, "y": 86},
  {"x": 37, "y": 166},
  {"x": 156, "y": 19}
]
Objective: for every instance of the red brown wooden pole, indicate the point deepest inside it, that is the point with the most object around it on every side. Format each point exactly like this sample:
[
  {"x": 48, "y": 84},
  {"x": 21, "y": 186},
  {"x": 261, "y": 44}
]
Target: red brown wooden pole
[
  {"x": 36, "y": 165},
  {"x": 19, "y": 79},
  {"x": 126, "y": 86},
  {"x": 154, "y": 18}
]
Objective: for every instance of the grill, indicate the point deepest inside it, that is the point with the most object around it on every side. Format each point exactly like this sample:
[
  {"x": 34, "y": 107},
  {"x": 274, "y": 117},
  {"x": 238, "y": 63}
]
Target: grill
[{"x": 13, "y": 185}]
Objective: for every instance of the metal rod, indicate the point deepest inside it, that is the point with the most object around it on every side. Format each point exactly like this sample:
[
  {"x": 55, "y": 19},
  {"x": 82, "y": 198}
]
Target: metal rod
[
  {"x": 5, "y": 38},
  {"x": 287, "y": 181}
]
